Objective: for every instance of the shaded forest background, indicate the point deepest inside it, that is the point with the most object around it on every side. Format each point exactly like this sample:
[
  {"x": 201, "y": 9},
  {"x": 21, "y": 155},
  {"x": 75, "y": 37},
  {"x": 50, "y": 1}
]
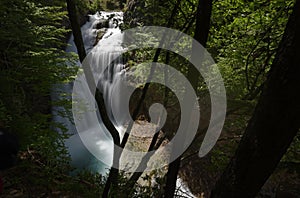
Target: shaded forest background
[{"x": 243, "y": 37}]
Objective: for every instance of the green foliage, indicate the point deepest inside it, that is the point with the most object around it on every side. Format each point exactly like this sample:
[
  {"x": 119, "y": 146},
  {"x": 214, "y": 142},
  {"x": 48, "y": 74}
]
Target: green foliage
[
  {"x": 32, "y": 61},
  {"x": 96, "y": 6},
  {"x": 157, "y": 13},
  {"x": 105, "y": 5},
  {"x": 243, "y": 40},
  {"x": 244, "y": 37}
]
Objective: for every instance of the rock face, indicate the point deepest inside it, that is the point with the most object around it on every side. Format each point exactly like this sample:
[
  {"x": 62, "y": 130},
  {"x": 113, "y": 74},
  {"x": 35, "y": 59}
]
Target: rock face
[
  {"x": 101, "y": 27},
  {"x": 139, "y": 141},
  {"x": 100, "y": 34}
]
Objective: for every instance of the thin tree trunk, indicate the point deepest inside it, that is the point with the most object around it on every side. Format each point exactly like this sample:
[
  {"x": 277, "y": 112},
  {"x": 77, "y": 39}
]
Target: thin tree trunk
[
  {"x": 72, "y": 12},
  {"x": 203, "y": 16},
  {"x": 139, "y": 104},
  {"x": 154, "y": 143},
  {"x": 146, "y": 87},
  {"x": 274, "y": 124}
]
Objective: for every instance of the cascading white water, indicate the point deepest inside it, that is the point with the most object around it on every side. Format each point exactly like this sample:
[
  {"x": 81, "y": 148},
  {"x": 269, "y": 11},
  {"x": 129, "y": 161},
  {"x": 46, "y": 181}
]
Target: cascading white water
[
  {"x": 103, "y": 53},
  {"x": 80, "y": 155}
]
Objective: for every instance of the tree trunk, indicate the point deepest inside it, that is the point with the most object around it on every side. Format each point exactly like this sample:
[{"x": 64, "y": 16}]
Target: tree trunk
[
  {"x": 201, "y": 35},
  {"x": 203, "y": 16},
  {"x": 114, "y": 173},
  {"x": 72, "y": 12},
  {"x": 136, "y": 111},
  {"x": 274, "y": 124}
]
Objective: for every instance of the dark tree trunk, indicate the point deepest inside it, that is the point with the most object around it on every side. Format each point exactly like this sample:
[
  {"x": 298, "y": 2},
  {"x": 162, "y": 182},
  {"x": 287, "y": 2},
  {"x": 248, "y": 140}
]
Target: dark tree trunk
[
  {"x": 72, "y": 12},
  {"x": 172, "y": 178},
  {"x": 201, "y": 35},
  {"x": 274, "y": 124},
  {"x": 203, "y": 21},
  {"x": 203, "y": 16}
]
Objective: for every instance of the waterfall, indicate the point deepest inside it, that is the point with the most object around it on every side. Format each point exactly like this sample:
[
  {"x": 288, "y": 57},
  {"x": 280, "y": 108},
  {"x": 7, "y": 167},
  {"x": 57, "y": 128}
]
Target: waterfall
[
  {"x": 106, "y": 23},
  {"x": 101, "y": 54}
]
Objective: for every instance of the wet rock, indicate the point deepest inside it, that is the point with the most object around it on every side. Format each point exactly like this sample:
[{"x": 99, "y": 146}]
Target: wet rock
[
  {"x": 103, "y": 23},
  {"x": 100, "y": 34}
]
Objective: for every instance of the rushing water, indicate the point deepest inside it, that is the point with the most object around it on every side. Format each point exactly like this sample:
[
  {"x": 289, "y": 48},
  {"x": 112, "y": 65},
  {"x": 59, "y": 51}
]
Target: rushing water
[
  {"x": 102, "y": 53},
  {"x": 80, "y": 155}
]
